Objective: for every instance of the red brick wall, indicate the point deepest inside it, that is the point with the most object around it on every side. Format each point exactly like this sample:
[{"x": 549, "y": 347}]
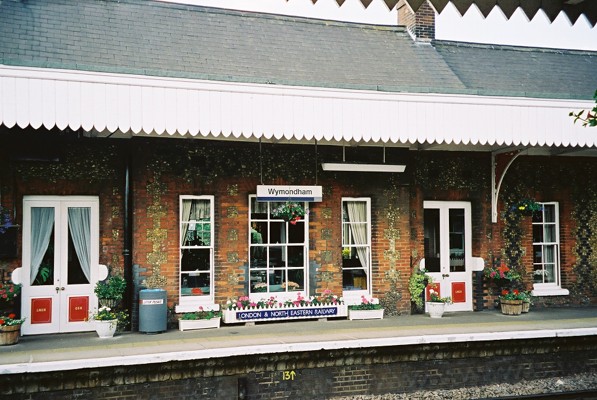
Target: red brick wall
[
  {"x": 396, "y": 200},
  {"x": 420, "y": 24}
]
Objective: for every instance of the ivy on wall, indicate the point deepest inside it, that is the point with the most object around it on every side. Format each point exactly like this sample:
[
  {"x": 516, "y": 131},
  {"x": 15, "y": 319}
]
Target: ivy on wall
[
  {"x": 156, "y": 235},
  {"x": 512, "y": 251},
  {"x": 203, "y": 162},
  {"x": 392, "y": 234},
  {"x": 439, "y": 171},
  {"x": 585, "y": 216},
  {"x": 78, "y": 161},
  {"x": 548, "y": 176}
]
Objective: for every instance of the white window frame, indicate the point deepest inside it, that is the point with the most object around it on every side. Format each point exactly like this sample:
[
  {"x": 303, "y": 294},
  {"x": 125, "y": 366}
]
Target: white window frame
[
  {"x": 551, "y": 288},
  {"x": 192, "y": 303},
  {"x": 352, "y": 297},
  {"x": 282, "y": 295}
]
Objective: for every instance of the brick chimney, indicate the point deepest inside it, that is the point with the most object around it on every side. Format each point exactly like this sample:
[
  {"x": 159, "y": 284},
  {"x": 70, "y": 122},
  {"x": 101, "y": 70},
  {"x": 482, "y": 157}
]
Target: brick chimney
[{"x": 420, "y": 25}]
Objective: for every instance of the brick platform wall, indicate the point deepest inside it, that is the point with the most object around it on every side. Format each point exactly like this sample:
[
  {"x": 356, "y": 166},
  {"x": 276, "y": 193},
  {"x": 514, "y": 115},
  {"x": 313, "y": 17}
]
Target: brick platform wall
[{"x": 321, "y": 374}]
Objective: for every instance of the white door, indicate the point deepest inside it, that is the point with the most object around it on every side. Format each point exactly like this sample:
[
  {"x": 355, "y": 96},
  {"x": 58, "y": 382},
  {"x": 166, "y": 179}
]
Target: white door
[
  {"x": 60, "y": 257},
  {"x": 448, "y": 256}
]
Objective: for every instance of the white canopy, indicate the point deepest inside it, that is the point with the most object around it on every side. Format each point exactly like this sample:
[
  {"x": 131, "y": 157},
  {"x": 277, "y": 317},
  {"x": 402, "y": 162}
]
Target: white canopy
[{"x": 129, "y": 105}]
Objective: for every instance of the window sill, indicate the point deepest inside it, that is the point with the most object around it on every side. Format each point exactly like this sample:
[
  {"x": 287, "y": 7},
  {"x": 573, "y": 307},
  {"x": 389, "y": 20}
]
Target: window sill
[{"x": 550, "y": 292}]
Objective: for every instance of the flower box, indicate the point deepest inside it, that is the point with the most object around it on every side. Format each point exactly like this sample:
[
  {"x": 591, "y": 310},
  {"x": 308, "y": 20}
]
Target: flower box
[
  {"x": 365, "y": 314},
  {"x": 254, "y": 314},
  {"x": 191, "y": 324}
]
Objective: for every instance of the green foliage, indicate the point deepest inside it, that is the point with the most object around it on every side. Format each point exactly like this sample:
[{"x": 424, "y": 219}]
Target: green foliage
[
  {"x": 113, "y": 288},
  {"x": 9, "y": 291},
  {"x": 5, "y": 219},
  {"x": 10, "y": 320},
  {"x": 289, "y": 211},
  {"x": 367, "y": 304},
  {"x": 435, "y": 298},
  {"x": 416, "y": 286},
  {"x": 103, "y": 314},
  {"x": 526, "y": 206},
  {"x": 589, "y": 119},
  {"x": 514, "y": 294},
  {"x": 43, "y": 274},
  {"x": 201, "y": 314}
]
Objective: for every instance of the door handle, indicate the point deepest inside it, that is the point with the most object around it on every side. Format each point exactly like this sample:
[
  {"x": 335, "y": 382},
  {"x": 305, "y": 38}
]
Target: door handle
[
  {"x": 59, "y": 288},
  {"x": 62, "y": 288},
  {"x": 445, "y": 275}
]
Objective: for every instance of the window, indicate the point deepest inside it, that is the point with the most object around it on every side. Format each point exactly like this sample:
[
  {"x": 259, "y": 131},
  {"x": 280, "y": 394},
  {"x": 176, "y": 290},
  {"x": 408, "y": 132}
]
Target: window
[
  {"x": 356, "y": 246},
  {"x": 196, "y": 249},
  {"x": 277, "y": 250},
  {"x": 546, "y": 250}
]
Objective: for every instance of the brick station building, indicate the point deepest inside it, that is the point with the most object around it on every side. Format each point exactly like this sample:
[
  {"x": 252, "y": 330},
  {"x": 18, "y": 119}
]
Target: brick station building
[{"x": 149, "y": 126}]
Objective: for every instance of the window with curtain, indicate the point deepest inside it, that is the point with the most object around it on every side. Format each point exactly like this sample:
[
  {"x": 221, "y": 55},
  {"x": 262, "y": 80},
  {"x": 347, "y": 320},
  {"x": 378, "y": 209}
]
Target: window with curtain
[
  {"x": 546, "y": 244},
  {"x": 356, "y": 244},
  {"x": 277, "y": 250},
  {"x": 196, "y": 246}
]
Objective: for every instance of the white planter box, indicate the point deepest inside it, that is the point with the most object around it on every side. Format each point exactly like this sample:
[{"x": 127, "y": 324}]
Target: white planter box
[
  {"x": 284, "y": 313},
  {"x": 365, "y": 314},
  {"x": 190, "y": 324}
]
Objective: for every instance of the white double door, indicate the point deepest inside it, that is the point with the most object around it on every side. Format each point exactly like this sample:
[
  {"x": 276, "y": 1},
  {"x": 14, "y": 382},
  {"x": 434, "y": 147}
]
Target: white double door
[
  {"x": 448, "y": 256},
  {"x": 60, "y": 258}
]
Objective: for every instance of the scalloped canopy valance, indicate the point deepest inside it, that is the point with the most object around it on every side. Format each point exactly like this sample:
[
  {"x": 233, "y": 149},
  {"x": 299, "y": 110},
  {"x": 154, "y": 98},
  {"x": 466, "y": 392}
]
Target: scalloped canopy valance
[{"x": 552, "y": 8}]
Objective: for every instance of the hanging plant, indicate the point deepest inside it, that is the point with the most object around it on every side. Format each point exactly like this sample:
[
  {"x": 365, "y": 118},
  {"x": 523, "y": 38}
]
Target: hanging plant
[
  {"x": 5, "y": 219},
  {"x": 289, "y": 212},
  {"x": 527, "y": 207}
]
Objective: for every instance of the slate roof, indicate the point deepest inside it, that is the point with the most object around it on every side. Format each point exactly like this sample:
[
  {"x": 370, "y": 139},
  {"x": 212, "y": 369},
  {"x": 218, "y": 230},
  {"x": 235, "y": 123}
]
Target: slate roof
[
  {"x": 520, "y": 71},
  {"x": 172, "y": 40}
]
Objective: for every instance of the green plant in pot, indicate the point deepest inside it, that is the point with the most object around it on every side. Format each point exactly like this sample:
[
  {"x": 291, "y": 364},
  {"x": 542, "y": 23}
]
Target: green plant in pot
[
  {"x": 110, "y": 291},
  {"x": 416, "y": 286}
]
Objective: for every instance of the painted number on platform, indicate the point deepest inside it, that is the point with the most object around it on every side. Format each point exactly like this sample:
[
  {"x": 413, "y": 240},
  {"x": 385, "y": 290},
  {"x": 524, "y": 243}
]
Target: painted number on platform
[{"x": 288, "y": 375}]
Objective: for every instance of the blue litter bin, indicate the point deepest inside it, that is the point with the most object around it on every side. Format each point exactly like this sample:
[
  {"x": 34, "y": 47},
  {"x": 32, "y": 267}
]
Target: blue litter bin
[{"x": 153, "y": 311}]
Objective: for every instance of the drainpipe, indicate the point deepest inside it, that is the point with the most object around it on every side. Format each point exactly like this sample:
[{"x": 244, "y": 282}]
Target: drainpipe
[{"x": 127, "y": 227}]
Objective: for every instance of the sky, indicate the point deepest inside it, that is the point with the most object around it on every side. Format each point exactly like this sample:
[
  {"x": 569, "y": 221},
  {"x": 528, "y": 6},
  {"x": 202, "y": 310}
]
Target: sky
[{"x": 450, "y": 25}]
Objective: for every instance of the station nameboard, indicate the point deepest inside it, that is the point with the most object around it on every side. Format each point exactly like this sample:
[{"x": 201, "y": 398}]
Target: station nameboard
[{"x": 289, "y": 193}]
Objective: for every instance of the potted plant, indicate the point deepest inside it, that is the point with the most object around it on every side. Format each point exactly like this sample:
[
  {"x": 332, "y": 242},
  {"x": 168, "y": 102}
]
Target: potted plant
[
  {"x": 416, "y": 286},
  {"x": 8, "y": 234},
  {"x": 290, "y": 212},
  {"x": 369, "y": 308},
  {"x": 511, "y": 301},
  {"x": 526, "y": 302},
  {"x": 501, "y": 275},
  {"x": 110, "y": 291},
  {"x": 9, "y": 293},
  {"x": 201, "y": 319},
  {"x": 105, "y": 322},
  {"x": 436, "y": 306},
  {"x": 10, "y": 329},
  {"x": 526, "y": 207}
]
